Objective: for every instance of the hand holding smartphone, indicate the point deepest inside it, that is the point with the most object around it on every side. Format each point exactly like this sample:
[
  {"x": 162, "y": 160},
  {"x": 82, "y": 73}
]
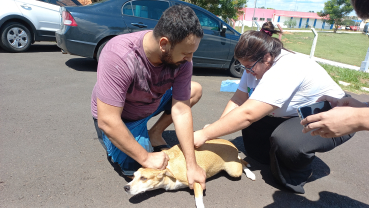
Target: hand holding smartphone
[{"x": 315, "y": 108}]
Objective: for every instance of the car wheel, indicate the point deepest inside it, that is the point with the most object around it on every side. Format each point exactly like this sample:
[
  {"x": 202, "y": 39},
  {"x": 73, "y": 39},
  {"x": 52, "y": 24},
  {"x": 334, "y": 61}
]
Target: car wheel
[
  {"x": 15, "y": 37},
  {"x": 235, "y": 71},
  {"x": 100, "y": 49}
]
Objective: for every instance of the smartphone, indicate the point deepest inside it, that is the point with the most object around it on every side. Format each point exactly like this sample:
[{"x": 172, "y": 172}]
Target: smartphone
[{"x": 315, "y": 108}]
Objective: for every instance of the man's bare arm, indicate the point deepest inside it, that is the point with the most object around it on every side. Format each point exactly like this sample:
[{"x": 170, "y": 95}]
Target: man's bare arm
[
  {"x": 109, "y": 120},
  {"x": 183, "y": 123}
]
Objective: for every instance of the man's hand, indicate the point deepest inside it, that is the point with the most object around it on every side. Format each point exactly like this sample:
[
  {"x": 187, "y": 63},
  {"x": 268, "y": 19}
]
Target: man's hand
[
  {"x": 156, "y": 160},
  {"x": 346, "y": 101},
  {"x": 196, "y": 174},
  {"x": 199, "y": 138},
  {"x": 336, "y": 122}
]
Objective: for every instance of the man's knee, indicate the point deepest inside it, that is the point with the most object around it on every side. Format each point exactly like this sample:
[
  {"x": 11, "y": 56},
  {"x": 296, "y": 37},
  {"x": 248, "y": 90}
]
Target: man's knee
[{"x": 196, "y": 92}]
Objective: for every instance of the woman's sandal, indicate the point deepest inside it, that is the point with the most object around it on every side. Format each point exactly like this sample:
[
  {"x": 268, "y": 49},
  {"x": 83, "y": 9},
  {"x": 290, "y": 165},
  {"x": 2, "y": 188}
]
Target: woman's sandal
[{"x": 161, "y": 147}]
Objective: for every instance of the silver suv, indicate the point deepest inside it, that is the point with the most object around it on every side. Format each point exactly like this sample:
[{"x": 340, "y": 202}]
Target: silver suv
[{"x": 22, "y": 22}]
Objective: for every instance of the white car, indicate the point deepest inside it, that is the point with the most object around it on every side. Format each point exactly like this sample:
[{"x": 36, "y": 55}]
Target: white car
[{"x": 22, "y": 22}]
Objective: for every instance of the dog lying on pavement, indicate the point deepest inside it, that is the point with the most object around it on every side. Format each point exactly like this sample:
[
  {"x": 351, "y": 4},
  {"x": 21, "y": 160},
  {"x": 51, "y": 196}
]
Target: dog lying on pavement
[{"x": 214, "y": 156}]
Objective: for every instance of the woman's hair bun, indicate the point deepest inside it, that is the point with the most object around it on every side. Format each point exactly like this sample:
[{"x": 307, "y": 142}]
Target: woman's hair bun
[{"x": 269, "y": 29}]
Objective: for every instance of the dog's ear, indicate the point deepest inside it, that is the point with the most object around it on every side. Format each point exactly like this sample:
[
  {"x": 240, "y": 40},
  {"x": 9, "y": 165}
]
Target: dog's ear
[
  {"x": 164, "y": 173},
  {"x": 160, "y": 175},
  {"x": 168, "y": 173}
]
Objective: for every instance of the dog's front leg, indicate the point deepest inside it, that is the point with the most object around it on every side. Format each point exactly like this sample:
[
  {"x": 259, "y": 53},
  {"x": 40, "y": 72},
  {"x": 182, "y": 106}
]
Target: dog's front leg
[{"x": 198, "y": 195}]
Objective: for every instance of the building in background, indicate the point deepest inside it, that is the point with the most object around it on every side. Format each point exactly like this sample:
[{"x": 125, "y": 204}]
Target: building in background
[
  {"x": 303, "y": 19},
  {"x": 85, "y": 2}
]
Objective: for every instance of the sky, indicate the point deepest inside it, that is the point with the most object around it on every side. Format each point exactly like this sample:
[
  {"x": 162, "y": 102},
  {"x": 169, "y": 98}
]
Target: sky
[{"x": 291, "y": 5}]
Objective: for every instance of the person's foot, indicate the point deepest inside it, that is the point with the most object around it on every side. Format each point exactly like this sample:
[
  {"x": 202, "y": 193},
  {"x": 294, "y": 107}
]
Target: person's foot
[{"x": 156, "y": 138}]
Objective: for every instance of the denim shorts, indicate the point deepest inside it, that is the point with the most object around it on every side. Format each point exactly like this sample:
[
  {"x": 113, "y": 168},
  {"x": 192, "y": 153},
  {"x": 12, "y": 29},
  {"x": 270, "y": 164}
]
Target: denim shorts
[{"x": 139, "y": 132}]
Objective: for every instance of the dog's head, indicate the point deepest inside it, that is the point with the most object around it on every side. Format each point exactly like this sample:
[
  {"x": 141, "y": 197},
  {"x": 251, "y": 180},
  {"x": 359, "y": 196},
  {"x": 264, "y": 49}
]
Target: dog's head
[{"x": 145, "y": 179}]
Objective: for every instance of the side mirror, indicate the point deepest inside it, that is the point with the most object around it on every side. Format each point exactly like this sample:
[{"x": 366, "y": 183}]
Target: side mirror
[{"x": 223, "y": 28}]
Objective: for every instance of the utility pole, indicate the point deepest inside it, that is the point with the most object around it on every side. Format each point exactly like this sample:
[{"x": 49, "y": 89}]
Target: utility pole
[
  {"x": 243, "y": 19},
  {"x": 252, "y": 21}
]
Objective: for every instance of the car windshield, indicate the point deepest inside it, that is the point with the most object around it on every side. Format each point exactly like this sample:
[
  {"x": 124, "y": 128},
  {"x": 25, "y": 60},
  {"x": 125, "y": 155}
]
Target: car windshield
[{"x": 67, "y": 3}]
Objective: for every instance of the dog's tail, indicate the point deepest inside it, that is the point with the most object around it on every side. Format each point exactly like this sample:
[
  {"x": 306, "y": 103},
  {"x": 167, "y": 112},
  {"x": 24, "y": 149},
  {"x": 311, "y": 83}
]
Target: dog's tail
[{"x": 247, "y": 171}]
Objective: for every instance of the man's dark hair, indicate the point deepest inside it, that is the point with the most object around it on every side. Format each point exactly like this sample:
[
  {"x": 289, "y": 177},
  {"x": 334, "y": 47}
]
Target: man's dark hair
[
  {"x": 361, "y": 7},
  {"x": 178, "y": 22}
]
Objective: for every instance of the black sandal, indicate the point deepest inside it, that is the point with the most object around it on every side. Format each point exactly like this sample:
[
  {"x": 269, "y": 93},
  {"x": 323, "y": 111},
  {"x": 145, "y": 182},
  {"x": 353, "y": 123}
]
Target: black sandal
[{"x": 161, "y": 147}]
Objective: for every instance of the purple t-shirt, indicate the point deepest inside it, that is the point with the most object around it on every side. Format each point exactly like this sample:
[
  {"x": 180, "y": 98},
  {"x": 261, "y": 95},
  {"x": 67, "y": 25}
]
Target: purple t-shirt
[{"x": 126, "y": 78}]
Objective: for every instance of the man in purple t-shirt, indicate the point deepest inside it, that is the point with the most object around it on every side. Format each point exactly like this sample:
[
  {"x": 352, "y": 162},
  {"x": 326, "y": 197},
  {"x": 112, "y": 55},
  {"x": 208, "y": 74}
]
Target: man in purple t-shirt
[{"x": 137, "y": 74}]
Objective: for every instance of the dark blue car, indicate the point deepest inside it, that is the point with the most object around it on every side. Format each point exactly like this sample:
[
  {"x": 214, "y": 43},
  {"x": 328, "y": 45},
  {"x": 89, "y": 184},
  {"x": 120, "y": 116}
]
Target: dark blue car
[{"x": 85, "y": 30}]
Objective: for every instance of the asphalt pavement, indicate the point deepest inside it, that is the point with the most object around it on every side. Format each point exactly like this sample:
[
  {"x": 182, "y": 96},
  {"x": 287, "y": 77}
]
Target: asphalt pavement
[{"x": 50, "y": 155}]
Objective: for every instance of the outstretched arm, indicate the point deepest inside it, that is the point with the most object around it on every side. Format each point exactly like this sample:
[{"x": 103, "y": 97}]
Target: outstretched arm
[
  {"x": 237, "y": 119},
  {"x": 183, "y": 123}
]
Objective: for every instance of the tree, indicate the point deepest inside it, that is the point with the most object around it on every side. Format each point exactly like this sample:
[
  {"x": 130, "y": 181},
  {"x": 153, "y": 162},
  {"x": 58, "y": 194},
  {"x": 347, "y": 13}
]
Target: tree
[
  {"x": 290, "y": 23},
  {"x": 227, "y": 9},
  {"x": 335, "y": 10}
]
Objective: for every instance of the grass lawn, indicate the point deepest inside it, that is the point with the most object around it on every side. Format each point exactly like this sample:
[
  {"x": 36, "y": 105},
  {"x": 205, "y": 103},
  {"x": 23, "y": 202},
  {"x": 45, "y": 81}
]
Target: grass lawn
[
  {"x": 357, "y": 79},
  {"x": 344, "y": 48}
]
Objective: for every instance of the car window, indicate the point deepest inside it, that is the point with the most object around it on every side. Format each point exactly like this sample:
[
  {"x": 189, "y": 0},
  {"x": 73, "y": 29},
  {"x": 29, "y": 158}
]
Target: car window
[
  {"x": 207, "y": 22},
  {"x": 63, "y": 2},
  {"x": 146, "y": 9},
  {"x": 229, "y": 32}
]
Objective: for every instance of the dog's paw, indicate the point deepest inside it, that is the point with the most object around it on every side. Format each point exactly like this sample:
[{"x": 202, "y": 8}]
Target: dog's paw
[
  {"x": 249, "y": 174},
  {"x": 199, "y": 202}
]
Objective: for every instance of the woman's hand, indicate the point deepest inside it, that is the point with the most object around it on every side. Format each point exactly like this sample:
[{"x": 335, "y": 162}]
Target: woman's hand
[{"x": 199, "y": 138}]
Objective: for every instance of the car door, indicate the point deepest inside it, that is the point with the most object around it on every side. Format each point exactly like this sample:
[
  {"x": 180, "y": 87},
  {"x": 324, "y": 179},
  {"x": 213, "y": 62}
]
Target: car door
[
  {"x": 233, "y": 38},
  {"x": 45, "y": 16},
  {"x": 214, "y": 47},
  {"x": 143, "y": 14}
]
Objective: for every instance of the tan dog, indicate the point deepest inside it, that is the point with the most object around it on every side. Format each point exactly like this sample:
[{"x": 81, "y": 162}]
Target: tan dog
[{"x": 214, "y": 156}]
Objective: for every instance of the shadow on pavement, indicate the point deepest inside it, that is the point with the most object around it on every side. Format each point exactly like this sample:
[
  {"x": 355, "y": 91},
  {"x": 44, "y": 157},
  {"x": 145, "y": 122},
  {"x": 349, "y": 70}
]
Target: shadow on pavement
[
  {"x": 82, "y": 64},
  {"x": 39, "y": 48},
  {"x": 326, "y": 199},
  {"x": 320, "y": 168}
]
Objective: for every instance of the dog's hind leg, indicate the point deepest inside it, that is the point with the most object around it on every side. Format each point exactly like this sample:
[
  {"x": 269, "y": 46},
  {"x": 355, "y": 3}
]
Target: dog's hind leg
[
  {"x": 198, "y": 195},
  {"x": 247, "y": 171}
]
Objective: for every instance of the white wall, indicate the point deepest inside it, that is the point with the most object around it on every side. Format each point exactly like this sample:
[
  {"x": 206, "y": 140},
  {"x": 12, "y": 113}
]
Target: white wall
[{"x": 318, "y": 25}]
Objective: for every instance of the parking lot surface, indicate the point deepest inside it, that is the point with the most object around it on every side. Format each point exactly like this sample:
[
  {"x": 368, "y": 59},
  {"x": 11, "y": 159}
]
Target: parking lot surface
[{"x": 50, "y": 155}]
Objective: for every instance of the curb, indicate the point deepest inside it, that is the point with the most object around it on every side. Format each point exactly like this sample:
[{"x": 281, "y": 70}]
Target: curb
[{"x": 347, "y": 84}]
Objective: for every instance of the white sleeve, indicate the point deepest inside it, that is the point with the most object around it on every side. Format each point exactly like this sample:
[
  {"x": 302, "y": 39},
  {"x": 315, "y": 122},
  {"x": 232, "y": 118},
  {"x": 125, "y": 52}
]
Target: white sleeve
[
  {"x": 243, "y": 83},
  {"x": 279, "y": 84}
]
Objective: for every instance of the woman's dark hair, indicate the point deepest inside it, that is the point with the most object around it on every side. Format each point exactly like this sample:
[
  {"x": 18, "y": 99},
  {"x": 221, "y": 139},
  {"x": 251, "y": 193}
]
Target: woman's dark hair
[
  {"x": 176, "y": 23},
  {"x": 361, "y": 7},
  {"x": 255, "y": 44}
]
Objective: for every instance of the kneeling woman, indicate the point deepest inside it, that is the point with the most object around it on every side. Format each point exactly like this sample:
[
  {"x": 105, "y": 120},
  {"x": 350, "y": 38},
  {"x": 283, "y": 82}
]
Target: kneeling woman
[{"x": 275, "y": 84}]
